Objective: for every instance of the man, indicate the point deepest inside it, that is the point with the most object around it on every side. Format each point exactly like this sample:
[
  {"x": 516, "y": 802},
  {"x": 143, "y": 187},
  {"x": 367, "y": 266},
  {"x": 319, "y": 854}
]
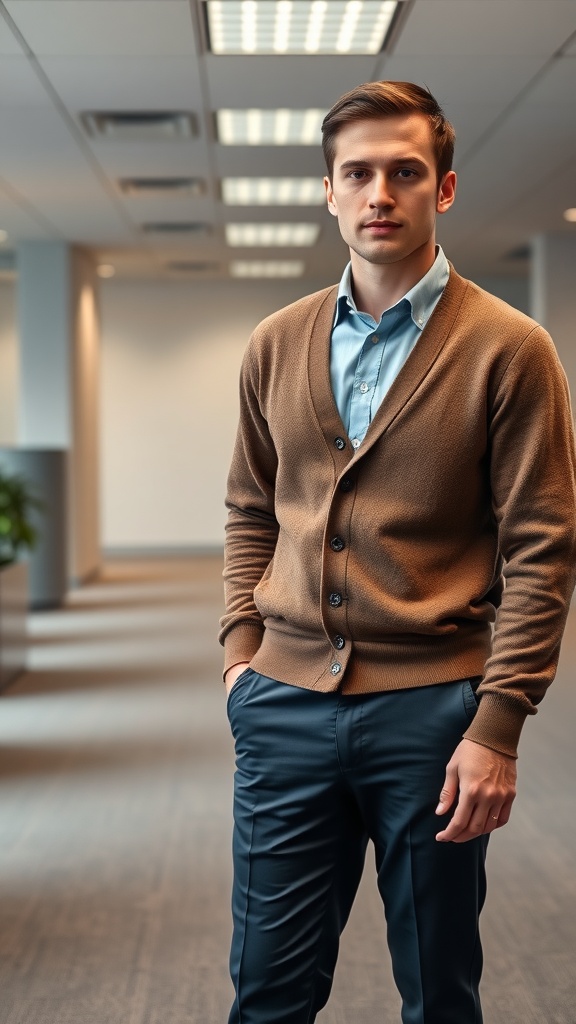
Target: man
[{"x": 405, "y": 446}]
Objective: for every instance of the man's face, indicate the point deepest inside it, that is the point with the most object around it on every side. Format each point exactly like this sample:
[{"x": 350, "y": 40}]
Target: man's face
[{"x": 384, "y": 188}]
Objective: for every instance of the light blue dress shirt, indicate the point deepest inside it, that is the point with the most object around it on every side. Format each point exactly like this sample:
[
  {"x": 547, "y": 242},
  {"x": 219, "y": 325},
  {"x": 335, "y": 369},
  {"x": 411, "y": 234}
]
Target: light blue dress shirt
[{"x": 366, "y": 357}]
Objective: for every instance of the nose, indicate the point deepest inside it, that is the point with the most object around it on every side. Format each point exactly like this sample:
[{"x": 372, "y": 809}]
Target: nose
[{"x": 381, "y": 197}]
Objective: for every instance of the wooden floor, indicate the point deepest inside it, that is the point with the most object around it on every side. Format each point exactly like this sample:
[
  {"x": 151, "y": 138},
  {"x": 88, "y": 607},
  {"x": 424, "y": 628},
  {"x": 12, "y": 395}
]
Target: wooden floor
[{"x": 115, "y": 790}]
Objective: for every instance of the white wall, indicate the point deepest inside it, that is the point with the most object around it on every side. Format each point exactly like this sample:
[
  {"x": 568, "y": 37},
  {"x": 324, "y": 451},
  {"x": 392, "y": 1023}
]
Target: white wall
[
  {"x": 171, "y": 354},
  {"x": 8, "y": 364}
]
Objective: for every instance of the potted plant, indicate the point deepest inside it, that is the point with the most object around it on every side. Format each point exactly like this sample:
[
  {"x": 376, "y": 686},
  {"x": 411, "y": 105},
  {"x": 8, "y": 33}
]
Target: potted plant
[
  {"x": 16, "y": 531},
  {"x": 17, "y": 535}
]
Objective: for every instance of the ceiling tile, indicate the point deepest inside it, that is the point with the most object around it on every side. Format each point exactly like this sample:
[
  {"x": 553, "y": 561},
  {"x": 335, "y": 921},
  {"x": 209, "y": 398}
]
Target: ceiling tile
[
  {"x": 475, "y": 27},
  {"x": 125, "y": 83},
  {"x": 91, "y": 27},
  {"x": 21, "y": 223},
  {"x": 9, "y": 45},
  {"x": 297, "y": 82},
  {"x": 465, "y": 79},
  {"x": 143, "y": 159},
  {"x": 19, "y": 85},
  {"x": 239, "y": 161}
]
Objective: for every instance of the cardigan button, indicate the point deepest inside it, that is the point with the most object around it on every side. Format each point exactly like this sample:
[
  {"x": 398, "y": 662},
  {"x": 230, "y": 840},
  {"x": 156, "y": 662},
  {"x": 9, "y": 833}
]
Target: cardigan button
[
  {"x": 340, "y": 443},
  {"x": 335, "y": 600},
  {"x": 337, "y": 544},
  {"x": 346, "y": 484},
  {"x": 338, "y": 642},
  {"x": 335, "y": 668}
]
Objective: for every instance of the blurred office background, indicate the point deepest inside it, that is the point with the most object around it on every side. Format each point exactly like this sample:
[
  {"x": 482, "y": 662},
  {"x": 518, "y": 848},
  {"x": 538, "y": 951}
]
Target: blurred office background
[{"x": 160, "y": 193}]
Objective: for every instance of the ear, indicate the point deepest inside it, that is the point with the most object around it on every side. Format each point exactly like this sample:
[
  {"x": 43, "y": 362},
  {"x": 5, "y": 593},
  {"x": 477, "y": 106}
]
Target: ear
[
  {"x": 446, "y": 192},
  {"x": 330, "y": 198}
]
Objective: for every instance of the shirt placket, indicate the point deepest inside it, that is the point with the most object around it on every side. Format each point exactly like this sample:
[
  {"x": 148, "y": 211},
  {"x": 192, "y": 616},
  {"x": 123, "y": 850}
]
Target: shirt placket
[{"x": 365, "y": 381}]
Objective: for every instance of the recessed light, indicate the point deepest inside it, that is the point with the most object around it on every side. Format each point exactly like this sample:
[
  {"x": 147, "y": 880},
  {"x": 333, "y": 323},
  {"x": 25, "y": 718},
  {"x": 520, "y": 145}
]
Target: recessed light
[
  {"x": 258, "y": 127},
  {"x": 106, "y": 270},
  {"x": 570, "y": 215},
  {"x": 299, "y": 26},
  {"x": 267, "y": 268},
  {"x": 271, "y": 234},
  {"x": 273, "y": 191},
  {"x": 3, "y": 236}
]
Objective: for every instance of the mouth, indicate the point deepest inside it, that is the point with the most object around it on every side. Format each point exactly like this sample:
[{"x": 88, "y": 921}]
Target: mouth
[{"x": 384, "y": 227}]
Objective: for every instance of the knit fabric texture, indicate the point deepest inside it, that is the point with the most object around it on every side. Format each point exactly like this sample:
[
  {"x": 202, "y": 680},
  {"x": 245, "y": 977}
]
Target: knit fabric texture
[{"x": 442, "y": 548}]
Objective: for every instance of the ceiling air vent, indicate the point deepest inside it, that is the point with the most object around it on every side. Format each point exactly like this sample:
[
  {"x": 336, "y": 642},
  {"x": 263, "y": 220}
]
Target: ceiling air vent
[
  {"x": 162, "y": 186},
  {"x": 138, "y": 125},
  {"x": 174, "y": 227},
  {"x": 191, "y": 266}
]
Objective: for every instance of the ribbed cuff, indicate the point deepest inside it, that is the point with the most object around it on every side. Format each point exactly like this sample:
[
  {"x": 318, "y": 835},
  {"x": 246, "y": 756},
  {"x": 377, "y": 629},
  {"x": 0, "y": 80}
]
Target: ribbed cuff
[
  {"x": 497, "y": 724},
  {"x": 241, "y": 644}
]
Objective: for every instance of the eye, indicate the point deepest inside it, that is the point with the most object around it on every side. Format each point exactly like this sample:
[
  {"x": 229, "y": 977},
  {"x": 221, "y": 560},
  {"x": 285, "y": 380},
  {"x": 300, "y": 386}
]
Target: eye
[
  {"x": 357, "y": 175},
  {"x": 406, "y": 172}
]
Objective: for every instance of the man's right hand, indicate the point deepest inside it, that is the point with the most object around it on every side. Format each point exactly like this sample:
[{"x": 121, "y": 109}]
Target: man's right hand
[{"x": 233, "y": 673}]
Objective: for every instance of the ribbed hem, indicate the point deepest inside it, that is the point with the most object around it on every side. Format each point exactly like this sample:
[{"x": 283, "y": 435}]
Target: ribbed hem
[
  {"x": 498, "y": 723},
  {"x": 308, "y": 660}
]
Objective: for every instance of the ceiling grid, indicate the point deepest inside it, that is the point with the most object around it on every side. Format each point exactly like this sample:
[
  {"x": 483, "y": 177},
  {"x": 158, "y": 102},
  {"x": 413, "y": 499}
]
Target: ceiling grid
[{"x": 501, "y": 68}]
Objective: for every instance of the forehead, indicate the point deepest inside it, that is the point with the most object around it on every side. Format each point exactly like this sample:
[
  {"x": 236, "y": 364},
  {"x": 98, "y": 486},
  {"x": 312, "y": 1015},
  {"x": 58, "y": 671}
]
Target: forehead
[{"x": 385, "y": 138}]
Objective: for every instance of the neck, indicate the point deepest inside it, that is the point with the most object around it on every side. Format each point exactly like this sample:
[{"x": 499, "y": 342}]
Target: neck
[{"x": 377, "y": 286}]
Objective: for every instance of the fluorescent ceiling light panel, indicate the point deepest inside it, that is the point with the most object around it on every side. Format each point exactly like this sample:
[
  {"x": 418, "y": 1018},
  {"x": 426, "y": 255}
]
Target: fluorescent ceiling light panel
[
  {"x": 271, "y": 234},
  {"x": 273, "y": 191},
  {"x": 257, "y": 127},
  {"x": 267, "y": 268},
  {"x": 299, "y": 26}
]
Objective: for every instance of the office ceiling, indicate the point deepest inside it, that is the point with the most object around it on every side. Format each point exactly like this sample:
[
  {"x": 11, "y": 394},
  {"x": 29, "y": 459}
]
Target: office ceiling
[{"x": 504, "y": 71}]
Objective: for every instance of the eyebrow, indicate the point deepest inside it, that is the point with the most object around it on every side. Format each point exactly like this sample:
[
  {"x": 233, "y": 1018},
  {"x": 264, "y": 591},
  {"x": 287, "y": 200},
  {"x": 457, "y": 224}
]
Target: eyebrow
[{"x": 397, "y": 161}]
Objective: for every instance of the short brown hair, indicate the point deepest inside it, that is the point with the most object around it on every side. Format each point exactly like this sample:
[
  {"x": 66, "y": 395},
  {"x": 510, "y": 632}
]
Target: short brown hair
[{"x": 389, "y": 99}]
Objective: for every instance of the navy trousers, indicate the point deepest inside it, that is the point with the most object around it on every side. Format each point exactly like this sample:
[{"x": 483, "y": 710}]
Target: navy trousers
[{"x": 317, "y": 776}]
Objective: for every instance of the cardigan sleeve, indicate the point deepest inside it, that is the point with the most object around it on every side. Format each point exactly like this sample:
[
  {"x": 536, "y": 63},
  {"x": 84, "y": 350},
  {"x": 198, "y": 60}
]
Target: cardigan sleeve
[
  {"x": 534, "y": 504},
  {"x": 252, "y": 528}
]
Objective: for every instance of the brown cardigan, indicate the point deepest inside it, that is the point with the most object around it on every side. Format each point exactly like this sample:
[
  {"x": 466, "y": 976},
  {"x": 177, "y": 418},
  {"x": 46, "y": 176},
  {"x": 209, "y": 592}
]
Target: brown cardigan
[{"x": 381, "y": 569}]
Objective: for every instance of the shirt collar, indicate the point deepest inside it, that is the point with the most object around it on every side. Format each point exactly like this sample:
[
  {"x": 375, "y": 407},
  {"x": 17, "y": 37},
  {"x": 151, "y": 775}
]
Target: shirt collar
[{"x": 422, "y": 298}]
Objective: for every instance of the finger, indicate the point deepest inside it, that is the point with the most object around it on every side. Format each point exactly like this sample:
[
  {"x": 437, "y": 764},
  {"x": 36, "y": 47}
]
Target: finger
[
  {"x": 478, "y": 824},
  {"x": 459, "y": 824},
  {"x": 505, "y": 811},
  {"x": 448, "y": 792}
]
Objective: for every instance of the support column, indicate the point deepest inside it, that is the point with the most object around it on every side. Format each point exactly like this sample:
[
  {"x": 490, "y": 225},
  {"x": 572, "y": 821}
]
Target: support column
[
  {"x": 58, "y": 328},
  {"x": 553, "y": 295}
]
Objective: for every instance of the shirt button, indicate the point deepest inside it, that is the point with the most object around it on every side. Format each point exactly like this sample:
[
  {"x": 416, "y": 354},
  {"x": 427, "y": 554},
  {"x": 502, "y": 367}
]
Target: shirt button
[
  {"x": 356, "y": 442},
  {"x": 363, "y": 387},
  {"x": 335, "y": 668},
  {"x": 339, "y": 642},
  {"x": 335, "y": 600},
  {"x": 374, "y": 338},
  {"x": 340, "y": 443},
  {"x": 337, "y": 544},
  {"x": 346, "y": 484}
]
